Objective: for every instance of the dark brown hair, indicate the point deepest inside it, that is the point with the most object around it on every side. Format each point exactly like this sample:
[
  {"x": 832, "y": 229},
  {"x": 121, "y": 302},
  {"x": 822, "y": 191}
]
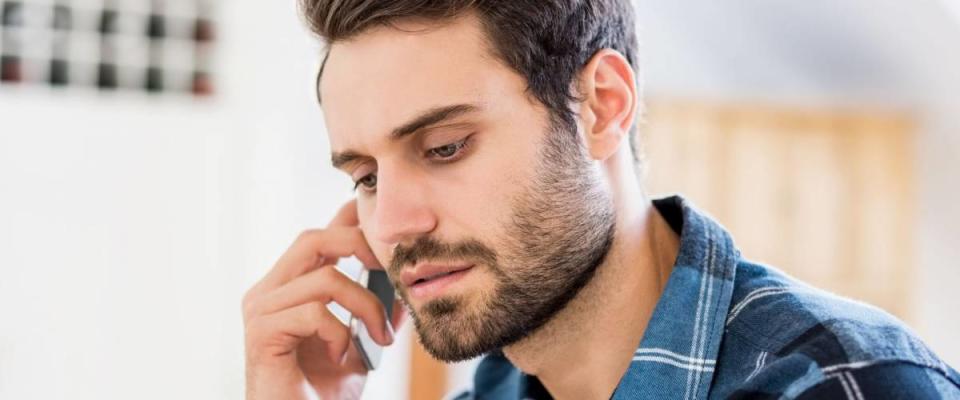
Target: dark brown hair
[{"x": 546, "y": 41}]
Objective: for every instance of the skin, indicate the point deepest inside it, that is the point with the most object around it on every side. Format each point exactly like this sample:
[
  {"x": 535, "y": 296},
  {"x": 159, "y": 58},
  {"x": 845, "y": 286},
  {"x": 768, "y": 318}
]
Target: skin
[{"x": 385, "y": 78}]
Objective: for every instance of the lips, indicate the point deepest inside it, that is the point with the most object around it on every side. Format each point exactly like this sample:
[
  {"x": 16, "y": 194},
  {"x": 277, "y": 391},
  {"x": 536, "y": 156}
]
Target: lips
[
  {"x": 425, "y": 273},
  {"x": 430, "y": 278}
]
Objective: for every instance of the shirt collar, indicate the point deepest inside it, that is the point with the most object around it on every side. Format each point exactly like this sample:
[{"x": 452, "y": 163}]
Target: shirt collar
[{"x": 679, "y": 348}]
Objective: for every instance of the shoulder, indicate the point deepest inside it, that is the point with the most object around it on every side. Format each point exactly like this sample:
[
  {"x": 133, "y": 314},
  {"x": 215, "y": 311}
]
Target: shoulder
[
  {"x": 884, "y": 380},
  {"x": 773, "y": 312},
  {"x": 786, "y": 339},
  {"x": 881, "y": 380}
]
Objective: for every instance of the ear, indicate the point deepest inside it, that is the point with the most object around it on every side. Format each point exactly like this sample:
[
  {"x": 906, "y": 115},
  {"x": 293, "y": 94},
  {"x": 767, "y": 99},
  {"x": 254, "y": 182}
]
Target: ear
[{"x": 609, "y": 92}]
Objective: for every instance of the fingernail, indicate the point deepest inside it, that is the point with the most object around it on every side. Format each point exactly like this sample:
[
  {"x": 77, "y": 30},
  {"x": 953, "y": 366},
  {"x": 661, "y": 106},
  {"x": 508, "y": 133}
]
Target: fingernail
[
  {"x": 343, "y": 358},
  {"x": 389, "y": 332},
  {"x": 336, "y": 356}
]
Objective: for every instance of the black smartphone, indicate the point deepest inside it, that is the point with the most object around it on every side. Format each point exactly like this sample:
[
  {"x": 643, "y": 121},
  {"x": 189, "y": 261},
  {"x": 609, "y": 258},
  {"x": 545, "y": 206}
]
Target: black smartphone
[{"x": 377, "y": 282}]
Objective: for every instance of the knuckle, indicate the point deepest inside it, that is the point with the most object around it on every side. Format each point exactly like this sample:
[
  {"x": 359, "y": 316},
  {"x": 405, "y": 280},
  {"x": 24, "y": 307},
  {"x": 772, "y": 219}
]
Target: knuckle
[
  {"x": 323, "y": 281},
  {"x": 316, "y": 313},
  {"x": 308, "y": 234},
  {"x": 324, "y": 273},
  {"x": 254, "y": 332},
  {"x": 341, "y": 335},
  {"x": 251, "y": 308},
  {"x": 339, "y": 280},
  {"x": 330, "y": 275},
  {"x": 371, "y": 308},
  {"x": 321, "y": 322},
  {"x": 357, "y": 234},
  {"x": 245, "y": 308},
  {"x": 248, "y": 297},
  {"x": 336, "y": 330}
]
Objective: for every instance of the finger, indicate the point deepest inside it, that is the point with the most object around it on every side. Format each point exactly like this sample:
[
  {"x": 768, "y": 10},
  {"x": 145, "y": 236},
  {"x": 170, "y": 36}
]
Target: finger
[
  {"x": 313, "y": 349},
  {"x": 301, "y": 322},
  {"x": 314, "y": 247},
  {"x": 347, "y": 215},
  {"x": 325, "y": 285},
  {"x": 377, "y": 267},
  {"x": 399, "y": 314}
]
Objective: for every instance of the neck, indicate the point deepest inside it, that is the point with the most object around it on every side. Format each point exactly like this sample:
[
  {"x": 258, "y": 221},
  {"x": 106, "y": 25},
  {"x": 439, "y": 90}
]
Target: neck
[{"x": 600, "y": 329}]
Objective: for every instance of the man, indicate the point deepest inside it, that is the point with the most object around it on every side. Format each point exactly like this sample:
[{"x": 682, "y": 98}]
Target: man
[{"x": 493, "y": 151}]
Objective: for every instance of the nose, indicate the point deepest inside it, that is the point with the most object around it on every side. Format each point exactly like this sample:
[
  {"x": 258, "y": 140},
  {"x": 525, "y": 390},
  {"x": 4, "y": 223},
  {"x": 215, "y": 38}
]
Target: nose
[{"x": 403, "y": 208}]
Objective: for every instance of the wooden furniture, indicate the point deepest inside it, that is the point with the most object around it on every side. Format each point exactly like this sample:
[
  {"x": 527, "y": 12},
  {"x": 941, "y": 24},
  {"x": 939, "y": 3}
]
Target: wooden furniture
[{"x": 826, "y": 195}]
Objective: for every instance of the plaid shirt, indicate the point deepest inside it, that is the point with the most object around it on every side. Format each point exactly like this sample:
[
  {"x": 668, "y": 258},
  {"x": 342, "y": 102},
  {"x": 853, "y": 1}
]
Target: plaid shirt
[{"x": 728, "y": 328}]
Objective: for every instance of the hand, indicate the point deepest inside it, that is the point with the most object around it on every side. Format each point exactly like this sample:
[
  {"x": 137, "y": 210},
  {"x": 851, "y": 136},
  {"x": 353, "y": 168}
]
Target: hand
[{"x": 294, "y": 345}]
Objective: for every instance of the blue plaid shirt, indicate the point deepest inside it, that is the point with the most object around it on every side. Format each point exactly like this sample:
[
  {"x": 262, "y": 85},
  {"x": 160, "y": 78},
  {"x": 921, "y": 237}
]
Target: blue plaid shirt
[{"x": 728, "y": 328}]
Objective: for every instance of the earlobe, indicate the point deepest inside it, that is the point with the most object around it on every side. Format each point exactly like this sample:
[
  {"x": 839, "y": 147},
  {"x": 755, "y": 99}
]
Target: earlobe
[{"x": 610, "y": 98}]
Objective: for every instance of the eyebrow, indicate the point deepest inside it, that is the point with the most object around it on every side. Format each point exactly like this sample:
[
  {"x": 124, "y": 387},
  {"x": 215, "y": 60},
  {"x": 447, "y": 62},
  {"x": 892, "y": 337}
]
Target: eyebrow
[{"x": 426, "y": 119}]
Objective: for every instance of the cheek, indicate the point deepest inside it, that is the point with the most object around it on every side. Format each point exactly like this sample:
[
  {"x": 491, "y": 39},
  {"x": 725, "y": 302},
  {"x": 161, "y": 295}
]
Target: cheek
[
  {"x": 383, "y": 255},
  {"x": 479, "y": 208},
  {"x": 364, "y": 213},
  {"x": 478, "y": 198}
]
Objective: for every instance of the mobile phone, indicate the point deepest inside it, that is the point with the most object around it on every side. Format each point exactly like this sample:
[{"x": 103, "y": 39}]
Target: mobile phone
[{"x": 377, "y": 282}]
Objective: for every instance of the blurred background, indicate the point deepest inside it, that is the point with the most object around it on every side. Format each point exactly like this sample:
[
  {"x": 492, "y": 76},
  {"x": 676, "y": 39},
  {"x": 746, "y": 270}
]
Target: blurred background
[{"x": 157, "y": 157}]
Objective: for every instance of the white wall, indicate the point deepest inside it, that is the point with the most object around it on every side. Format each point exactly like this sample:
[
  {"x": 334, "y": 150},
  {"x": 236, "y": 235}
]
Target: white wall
[
  {"x": 130, "y": 226},
  {"x": 108, "y": 249}
]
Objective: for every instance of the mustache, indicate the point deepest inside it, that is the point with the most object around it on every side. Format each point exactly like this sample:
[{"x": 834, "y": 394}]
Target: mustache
[{"x": 426, "y": 248}]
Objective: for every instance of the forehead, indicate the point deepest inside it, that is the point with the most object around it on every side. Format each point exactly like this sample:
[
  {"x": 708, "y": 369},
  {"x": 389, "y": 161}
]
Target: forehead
[{"x": 382, "y": 77}]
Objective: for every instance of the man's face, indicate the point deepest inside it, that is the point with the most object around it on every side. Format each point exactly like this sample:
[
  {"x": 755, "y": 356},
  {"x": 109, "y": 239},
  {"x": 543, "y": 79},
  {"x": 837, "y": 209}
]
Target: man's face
[{"x": 485, "y": 191}]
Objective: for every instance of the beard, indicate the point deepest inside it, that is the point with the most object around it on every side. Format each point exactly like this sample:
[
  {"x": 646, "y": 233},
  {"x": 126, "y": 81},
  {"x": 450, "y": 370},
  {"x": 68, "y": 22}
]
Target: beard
[{"x": 559, "y": 232}]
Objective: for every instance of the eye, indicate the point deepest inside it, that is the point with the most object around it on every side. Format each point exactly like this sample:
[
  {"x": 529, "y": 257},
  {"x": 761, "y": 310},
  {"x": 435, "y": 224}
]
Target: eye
[
  {"x": 369, "y": 183},
  {"x": 449, "y": 152}
]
